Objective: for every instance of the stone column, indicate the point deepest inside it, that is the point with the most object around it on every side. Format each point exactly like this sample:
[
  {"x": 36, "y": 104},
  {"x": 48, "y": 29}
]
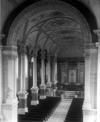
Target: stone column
[
  {"x": 55, "y": 77},
  {"x": 86, "y": 104},
  {"x": 54, "y": 69},
  {"x": 49, "y": 75},
  {"x": 22, "y": 93},
  {"x": 87, "y": 80},
  {"x": 1, "y": 92},
  {"x": 34, "y": 89},
  {"x": 97, "y": 32},
  {"x": 49, "y": 70},
  {"x": 54, "y": 74},
  {"x": 94, "y": 58},
  {"x": 98, "y": 83},
  {"x": 88, "y": 113},
  {"x": 9, "y": 107},
  {"x": 42, "y": 86}
]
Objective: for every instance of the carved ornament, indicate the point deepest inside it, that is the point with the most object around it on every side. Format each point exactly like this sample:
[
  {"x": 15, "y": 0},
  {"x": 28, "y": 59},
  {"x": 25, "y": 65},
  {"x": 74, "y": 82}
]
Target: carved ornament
[
  {"x": 1, "y": 37},
  {"x": 89, "y": 46},
  {"x": 34, "y": 90},
  {"x": 49, "y": 57},
  {"x": 53, "y": 6},
  {"x": 10, "y": 52},
  {"x": 42, "y": 54},
  {"x": 97, "y": 32}
]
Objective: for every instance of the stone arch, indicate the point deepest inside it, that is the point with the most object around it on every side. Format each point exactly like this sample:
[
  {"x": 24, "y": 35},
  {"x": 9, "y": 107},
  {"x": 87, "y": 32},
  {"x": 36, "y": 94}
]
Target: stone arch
[{"x": 43, "y": 6}]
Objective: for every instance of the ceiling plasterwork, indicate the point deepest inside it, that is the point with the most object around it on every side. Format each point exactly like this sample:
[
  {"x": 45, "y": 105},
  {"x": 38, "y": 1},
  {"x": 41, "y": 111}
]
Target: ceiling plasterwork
[{"x": 51, "y": 27}]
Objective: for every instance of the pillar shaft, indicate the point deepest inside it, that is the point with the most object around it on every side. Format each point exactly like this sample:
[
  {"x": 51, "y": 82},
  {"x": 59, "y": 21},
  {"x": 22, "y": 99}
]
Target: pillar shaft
[
  {"x": 42, "y": 86},
  {"x": 35, "y": 71},
  {"x": 34, "y": 89},
  {"x": 42, "y": 68},
  {"x": 49, "y": 90},
  {"x": 49, "y": 70},
  {"x": 88, "y": 112},
  {"x": 54, "y": 70},
  {"x": 9, "y": 108},
  {"x": 11, "y": 55},
  {"x": 98, "y": 84},
  {"x": 55, "y": 76},
  {"x": 87, "y": 81},
  {"x": 97, "y": 32},
  {"x": 22, "y": 93},
  {"x": 22, "y": 68}
]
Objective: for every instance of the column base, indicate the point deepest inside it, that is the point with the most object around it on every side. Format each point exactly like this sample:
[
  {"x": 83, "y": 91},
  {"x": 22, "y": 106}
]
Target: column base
[
  {"x": 34, "y": 93},
  {"x": 34, "y": 102},
  {"x": 48, "y": 85},
  {"x": 89, "y": 115},
  {"x": 42, "y": 97},
  {"x": 9, "y": 112},
  {"x": 48, "y": 91},
  {"x": 42, "y": 91},
  {"x": 22, "y": 108},
  {"x": 54, "y": 92}
]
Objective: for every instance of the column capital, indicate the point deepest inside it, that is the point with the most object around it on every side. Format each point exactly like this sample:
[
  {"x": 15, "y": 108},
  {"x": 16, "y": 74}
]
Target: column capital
[
  {"x": 49, "y": 56},
  {"x": 90, "y": 49},
  {"x": 34, "y": 89},
  {"x": 42, "y": 54},
  {"x": 1, "y": 37},
  {"x": 22, "y": 49},
  {"x": 97, "y": 44},
  {"x": 87, "y": 55},
  {"x": 23, "y": 94},
  {"x": 88, "y": 46},
  {"x": 97, "y": 32},
  {"x": 10, "y": 51},
  {"x": 34, "y": 53}
]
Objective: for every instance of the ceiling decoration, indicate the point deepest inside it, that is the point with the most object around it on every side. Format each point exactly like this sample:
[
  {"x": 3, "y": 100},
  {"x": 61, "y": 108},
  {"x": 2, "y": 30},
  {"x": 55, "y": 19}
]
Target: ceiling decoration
[
  {"x": 60, "y": 23},
  {"x": 55, "y": 29}
]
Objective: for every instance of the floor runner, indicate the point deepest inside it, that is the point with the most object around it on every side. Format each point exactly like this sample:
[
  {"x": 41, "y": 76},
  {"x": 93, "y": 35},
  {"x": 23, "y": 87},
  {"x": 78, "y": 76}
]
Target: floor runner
[{"x": 61, "y": 111}]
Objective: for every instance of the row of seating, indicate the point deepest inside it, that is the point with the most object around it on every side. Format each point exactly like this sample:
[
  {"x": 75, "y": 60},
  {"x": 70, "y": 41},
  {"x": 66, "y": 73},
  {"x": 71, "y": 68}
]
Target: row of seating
[
  {"x": 40, "y": 112},
  {"x": 75, "y": 111}
]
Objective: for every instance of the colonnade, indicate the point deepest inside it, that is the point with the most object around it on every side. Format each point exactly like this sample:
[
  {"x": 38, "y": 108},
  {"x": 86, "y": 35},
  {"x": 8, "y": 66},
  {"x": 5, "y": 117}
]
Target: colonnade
[
  {"x": 35, "y": 89},
  {"x": 8, "y": 79}
]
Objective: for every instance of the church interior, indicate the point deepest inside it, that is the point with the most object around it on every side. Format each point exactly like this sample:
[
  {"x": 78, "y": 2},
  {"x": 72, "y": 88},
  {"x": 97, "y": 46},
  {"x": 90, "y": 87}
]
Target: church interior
[{"x": 49, "y": 60}]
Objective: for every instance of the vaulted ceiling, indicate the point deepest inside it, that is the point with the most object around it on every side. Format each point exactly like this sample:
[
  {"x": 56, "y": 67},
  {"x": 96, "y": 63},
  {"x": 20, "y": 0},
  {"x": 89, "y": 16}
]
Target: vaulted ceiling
[
  {"x": 54, "y": 30},
  {"x": 60, "y": 29}
]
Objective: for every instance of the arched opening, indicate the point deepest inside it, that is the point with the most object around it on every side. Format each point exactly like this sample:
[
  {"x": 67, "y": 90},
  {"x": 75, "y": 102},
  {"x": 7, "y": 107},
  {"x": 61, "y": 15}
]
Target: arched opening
[{"x": 50, "y": 39}]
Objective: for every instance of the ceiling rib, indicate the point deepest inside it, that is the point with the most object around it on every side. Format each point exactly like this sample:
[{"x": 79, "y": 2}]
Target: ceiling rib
[{"x": 48, "y": 36}]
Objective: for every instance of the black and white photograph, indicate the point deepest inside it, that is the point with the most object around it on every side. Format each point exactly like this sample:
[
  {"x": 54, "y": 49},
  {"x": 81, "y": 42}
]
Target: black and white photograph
[{"x": 49, "y": 60}]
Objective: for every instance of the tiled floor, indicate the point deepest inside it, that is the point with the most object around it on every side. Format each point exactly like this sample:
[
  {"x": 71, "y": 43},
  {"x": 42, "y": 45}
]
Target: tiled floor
[{"x": 61, "y": 111}]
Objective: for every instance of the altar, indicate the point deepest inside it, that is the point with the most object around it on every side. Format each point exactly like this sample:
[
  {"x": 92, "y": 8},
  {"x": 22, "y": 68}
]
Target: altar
[
  {"x": 71, "y": 72},
  {"x": 71, "y": 79}
]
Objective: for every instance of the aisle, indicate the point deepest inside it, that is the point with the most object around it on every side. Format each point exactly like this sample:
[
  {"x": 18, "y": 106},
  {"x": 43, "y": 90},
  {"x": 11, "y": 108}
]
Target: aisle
[{"x": 60, "y": 113}]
